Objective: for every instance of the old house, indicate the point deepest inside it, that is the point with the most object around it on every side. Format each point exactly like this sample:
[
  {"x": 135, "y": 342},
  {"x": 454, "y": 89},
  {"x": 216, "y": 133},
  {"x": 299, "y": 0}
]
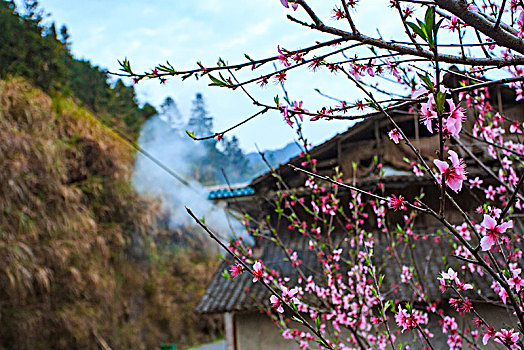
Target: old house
[{"x": 239, "y": 300}]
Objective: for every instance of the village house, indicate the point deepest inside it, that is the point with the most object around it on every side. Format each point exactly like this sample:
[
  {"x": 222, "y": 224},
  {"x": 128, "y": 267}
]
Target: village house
[{"x": 239, "y": 299}]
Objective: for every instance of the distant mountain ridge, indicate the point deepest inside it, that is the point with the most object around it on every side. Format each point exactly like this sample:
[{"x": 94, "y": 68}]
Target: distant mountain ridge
[{"x": 274, "y": 157}]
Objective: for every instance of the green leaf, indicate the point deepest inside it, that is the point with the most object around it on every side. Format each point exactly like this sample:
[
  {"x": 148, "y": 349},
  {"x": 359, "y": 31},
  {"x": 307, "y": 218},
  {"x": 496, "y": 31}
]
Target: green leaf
[
  {"x": 408, "y": 307},
  {"x": 277, "y": 100},
  {"x": 317, "y": 323},
  {"x": 323, "y": 343},
  {"x": 191, "y": 134},
  {"x": 437, "y": 26},
  {"x": 422, "y": 26},
  {"x": 371, "y": 103},
  {"x": 368, "y": 261},
  {"x": 293, "y": 306},
  {"x": 428, "y": 84},
  {"x": 418, "y": 30},
  {"x": 295, "y": 318},
  {"x": 440, "y": 100},
  {"x": 430, "y": 22},
  {"x": 166, "y": 67},
  {"x": 430, "y": 16},
  {"x": 126, "y": 66},
  {"x": 216, "y": 82},
  {"x": 380, "y": 279},
  {"x": 387, "y": 305}
]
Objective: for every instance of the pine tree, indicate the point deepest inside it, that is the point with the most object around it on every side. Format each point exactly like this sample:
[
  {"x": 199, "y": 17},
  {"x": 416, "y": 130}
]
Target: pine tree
[
  {"x": 170, "y": 114},
  {"x": 237, "y": 165},
  {"x": 64, "y": 35},
  {"x": 200, "y": 121}
]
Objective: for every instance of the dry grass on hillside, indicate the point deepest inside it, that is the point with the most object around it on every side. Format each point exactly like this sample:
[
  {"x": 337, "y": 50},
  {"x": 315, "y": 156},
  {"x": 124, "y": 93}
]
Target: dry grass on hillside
[{"x": 79, "y": 268}]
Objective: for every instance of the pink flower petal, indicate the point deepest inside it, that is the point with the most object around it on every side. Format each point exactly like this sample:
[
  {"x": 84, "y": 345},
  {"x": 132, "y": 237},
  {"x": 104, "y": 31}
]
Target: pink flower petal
[
  {"x": 488, "y": 222},
  {"x": 504, "y": 226},
  {"x": 419, "y": 92},
  {"x": 520, "y": 21},
  {"x": 454, "y": 158},
  {"x": 451, "y": 104},
  {"x": 442, "y": 166},
  {"x": 454, "y": 125},
  {"x": 485, "y": 338},
  {"x": 455, "y": 184},
  {"x": 486, "y": 243}
]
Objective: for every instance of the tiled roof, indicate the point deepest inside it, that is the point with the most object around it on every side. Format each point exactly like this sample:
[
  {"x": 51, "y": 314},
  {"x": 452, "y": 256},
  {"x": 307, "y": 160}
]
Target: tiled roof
[
  {"x": 361, "y": 124},
  {"x": 224, "y": 295},
  {"x": 241, "y": 294}
]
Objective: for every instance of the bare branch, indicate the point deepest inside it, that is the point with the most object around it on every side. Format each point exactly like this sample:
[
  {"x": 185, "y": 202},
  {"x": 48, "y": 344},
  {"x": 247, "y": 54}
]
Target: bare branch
[
  {"x": 273, "y": 292},
  {"x": 501, "y": 12},
  {"x": 231, "y": 128},
  {"x": 473, "y": 19},
  {"x": 379, "y": 43}
]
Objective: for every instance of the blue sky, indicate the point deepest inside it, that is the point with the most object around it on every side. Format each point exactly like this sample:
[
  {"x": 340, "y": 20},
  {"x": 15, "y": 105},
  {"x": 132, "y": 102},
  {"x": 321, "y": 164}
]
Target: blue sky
[{"x": 183, "y": 32}]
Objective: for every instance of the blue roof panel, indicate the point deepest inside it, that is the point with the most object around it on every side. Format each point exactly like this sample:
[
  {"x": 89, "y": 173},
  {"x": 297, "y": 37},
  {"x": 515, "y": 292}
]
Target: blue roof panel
[{"x": 233, "y": 192}]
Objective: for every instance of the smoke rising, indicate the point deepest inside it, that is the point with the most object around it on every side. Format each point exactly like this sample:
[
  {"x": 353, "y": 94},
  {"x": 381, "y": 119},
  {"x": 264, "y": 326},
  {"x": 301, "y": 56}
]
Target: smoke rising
[{"x": 163, "y": 137}]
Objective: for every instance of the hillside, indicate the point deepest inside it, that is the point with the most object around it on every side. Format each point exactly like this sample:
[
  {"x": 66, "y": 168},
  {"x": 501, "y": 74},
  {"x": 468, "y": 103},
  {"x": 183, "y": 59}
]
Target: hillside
[
  {"x": 85, "y": 261},
  {"x": 41, "y": 54}
]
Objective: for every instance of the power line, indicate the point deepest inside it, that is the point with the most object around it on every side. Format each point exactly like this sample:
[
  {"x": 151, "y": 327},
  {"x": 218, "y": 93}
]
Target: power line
[{"x": 149, "y": 156}]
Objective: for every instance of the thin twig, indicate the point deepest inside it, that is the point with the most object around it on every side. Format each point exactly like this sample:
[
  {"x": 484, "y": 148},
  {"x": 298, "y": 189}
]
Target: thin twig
[
  {"x": 512, "y": 199},
  {"x": 501, "y": 11},
  {"x": 231, "y": 128},
  {"x": 247, "y": 268}
]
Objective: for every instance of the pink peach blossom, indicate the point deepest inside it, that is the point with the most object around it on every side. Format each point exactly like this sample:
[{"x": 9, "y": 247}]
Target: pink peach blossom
[{"x": 455, "y": 174}]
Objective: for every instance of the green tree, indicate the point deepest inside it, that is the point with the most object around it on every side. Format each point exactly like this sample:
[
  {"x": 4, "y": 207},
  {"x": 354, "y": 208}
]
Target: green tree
[
  {"x": 170, "y": 113},
  {"x": 33, "y": 51},
  {"x": 237, "y": 163},
  {"x": 200, "y": 121}
]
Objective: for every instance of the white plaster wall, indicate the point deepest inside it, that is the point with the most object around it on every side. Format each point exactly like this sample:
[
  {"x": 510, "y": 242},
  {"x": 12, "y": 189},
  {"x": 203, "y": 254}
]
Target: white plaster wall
[{"x": 255, "y": 331}]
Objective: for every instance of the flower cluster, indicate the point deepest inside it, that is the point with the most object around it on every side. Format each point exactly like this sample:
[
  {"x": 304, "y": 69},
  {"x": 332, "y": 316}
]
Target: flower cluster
[
  {"x": 411, "y": 319},
  {"x": 288, "y": 295},
  {"x": 447, "y": 278},
  {"x": 351, "y": 241}
]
